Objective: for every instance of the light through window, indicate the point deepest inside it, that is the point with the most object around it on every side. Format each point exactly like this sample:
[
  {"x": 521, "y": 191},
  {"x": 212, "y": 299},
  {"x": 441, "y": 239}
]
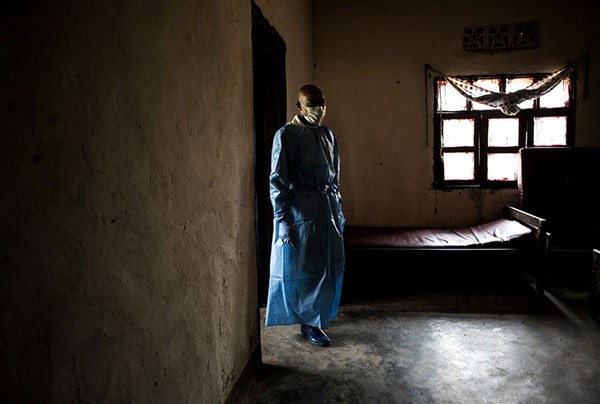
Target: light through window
[
  {"x": 459, "y": 132},
  {"x": 502, "y": 166},
  {"x": 488, "y": 84},
  {"x": 503, "y": 132},
  {"x": 558, "y": 97},
  {"x": 478, "y": 145},
  {"x": 520, "y": 83},
  {"x": 449, "y": 99},
  {"x": 461, "y": 166},
  {"x": 550, "y": 131}
]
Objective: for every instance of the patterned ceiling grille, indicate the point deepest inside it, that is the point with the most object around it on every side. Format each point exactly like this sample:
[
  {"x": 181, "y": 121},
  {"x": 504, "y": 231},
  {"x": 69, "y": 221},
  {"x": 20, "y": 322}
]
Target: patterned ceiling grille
[{"x": 501, "y": 37}]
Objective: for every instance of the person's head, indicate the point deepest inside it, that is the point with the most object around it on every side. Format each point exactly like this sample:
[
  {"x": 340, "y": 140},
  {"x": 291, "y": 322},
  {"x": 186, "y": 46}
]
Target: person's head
[{"x": 311, "y": 104}]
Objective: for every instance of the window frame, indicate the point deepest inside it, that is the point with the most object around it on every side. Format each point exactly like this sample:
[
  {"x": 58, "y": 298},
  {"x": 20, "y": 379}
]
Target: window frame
[{"x": 481, "y": 118}]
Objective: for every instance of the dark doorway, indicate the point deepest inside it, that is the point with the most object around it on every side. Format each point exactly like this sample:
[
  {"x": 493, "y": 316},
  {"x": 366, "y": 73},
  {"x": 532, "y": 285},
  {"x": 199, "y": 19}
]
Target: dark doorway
[{"x": 268, "y": 57}]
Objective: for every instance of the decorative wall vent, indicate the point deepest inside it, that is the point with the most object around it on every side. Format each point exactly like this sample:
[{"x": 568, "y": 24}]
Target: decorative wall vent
[{"x": 501, "y": 37}]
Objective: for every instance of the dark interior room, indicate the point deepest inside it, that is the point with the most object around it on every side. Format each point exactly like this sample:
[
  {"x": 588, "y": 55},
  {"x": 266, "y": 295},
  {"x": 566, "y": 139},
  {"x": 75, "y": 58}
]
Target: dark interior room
[{"x": 144, "y": 155}]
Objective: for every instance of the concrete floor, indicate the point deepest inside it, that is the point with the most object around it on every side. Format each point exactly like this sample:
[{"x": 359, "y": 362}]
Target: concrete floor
[{"x": 476, "y": 345}]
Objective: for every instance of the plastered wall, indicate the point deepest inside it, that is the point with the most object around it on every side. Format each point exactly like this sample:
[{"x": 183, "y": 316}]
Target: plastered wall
[
  {"x": 370, "y": 57},
  {"x": 127, "y": 241}
]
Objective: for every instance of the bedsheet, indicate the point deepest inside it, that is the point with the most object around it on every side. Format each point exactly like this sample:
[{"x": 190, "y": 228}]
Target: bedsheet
[{"x": 499, "y": 232}]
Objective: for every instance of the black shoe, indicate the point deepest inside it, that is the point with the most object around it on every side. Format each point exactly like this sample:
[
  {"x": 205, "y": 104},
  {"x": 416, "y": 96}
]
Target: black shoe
[{"x": 314, "y": 335}]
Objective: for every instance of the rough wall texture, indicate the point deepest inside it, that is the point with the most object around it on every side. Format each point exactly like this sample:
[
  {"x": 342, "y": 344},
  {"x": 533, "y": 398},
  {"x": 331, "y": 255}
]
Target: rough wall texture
[
  {"x": 127, "y": 207},
  {"x": 371, "y": 56}
]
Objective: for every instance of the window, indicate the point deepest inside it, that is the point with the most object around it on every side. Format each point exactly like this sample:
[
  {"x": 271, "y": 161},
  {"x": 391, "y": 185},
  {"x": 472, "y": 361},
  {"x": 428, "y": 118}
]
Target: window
[{"x": 477, "y": 145}]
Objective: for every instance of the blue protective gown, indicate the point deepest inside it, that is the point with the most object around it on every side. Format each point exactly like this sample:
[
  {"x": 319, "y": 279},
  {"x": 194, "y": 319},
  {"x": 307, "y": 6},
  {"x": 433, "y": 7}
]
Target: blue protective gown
[{"x": 305, "y": 282}]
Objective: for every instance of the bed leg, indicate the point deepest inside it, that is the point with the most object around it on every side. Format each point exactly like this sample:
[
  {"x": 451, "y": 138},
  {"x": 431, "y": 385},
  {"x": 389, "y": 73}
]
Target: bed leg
[
  {"x": 595, "y": 286},
  {"x": 542, "y": 263}
]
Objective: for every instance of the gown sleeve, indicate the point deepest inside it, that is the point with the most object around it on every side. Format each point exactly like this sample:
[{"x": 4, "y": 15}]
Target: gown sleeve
[
  {"x": 336, "y": 163},
  {"x": 279, "y": 181}
]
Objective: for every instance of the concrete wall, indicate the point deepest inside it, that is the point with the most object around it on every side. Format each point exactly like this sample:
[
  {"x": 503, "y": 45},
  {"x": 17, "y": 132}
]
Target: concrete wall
[
  {"x": 370, "y": 59},
  {"x": 127, "y": 205}
]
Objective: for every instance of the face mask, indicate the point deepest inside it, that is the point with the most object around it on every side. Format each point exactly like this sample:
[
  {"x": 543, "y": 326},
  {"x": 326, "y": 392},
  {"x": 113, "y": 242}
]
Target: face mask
[{"x": 314, "y": 115}]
